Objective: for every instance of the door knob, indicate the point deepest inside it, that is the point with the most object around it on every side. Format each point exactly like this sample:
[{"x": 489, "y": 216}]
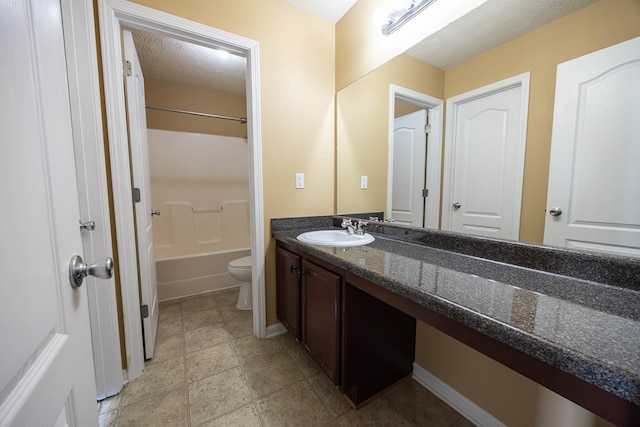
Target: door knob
[
  {"x": 555, "y": 212},
  {"x": 456, "y": 205},
  {"x": 155, "y": 212},
  {"x": 78, "y": 270}
]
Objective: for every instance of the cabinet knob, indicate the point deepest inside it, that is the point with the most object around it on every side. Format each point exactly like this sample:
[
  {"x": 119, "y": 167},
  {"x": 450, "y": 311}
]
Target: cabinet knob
[{"x": 294, "y": 268}]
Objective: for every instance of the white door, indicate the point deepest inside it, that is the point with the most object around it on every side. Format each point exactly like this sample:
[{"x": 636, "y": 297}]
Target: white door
[
  {"x": 46, "y": 364},
  {"x": 144, "y": 218},
  {"x": 594, "y": 176},
  {"x": 484, "y": 159},
  {"x": 93, "y": 194},
  {"x": 409, "y": 155}
]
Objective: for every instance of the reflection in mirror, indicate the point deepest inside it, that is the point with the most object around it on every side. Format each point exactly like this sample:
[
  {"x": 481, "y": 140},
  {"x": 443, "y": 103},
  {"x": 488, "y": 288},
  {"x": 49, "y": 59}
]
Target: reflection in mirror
[
  {"x": 415, "y": 132},
  {"x": 364, "y": 111},
  {"x": 363, "y": 106},
  {"x": 484, "y": 159}
]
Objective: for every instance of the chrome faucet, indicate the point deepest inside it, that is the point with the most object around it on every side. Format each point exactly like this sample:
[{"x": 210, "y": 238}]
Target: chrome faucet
[
  {"x": 354, "y": 229},
  {"x": 346, "y": 223}
]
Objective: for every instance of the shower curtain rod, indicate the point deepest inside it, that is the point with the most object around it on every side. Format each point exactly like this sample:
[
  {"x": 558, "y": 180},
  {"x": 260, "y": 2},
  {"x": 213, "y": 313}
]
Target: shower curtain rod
[{"x": 242, "y": 120}]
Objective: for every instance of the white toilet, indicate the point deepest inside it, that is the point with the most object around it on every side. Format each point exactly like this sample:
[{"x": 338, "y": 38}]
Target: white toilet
[{"x": 240, "y": 269}]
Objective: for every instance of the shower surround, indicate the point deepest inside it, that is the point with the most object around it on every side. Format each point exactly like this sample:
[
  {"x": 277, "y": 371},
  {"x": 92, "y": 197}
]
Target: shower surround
[{"x": 200, "y": 184}]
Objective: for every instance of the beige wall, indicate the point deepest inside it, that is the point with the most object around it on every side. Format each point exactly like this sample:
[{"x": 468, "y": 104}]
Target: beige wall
[
  {"x": 505, "y": 394},
  {"x": 362, "y": 129},
  {"x": 181, "y": 97},
  {"x": 402, "y": 108},
  {"x": 297, "y": 78}
]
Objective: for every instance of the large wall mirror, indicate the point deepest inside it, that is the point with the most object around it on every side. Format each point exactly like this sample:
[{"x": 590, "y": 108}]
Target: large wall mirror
[{"x": 364, "y": 107}]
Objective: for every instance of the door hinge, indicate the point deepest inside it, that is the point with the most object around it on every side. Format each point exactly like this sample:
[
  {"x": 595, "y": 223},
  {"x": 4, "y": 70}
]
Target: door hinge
[
  {"x": 425, "y": 192},
  {"x": 126, "y": 67},
  {"x": 144, "y": 311},
  {"x": 427, "y": 129},
  {"x": 136, "y": 195}
]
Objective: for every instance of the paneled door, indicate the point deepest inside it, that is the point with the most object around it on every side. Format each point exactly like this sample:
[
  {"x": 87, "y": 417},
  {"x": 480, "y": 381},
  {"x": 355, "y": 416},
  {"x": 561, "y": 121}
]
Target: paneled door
[
  {"x": 144, "y": 216},
  {"x": 593, "y": 200},
  {"x": 46, "y": 363},
  {"x": 484, "y": 159},
  {"x": 409, "y": 168}
]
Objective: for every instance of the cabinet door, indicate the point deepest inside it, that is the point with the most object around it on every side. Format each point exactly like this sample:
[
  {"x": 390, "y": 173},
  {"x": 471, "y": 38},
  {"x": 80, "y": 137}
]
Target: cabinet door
[
  {"x": 288, "y": 290},
  {"x": 321, "y": 316}
]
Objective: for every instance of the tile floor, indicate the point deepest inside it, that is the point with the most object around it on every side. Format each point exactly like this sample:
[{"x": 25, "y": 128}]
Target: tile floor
[{"x": 209, "y": 370}]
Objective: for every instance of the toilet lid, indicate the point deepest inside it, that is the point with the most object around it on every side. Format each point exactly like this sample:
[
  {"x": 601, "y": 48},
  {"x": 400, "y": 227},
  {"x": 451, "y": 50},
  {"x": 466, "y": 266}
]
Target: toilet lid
[{"x": 241, "y": 262}]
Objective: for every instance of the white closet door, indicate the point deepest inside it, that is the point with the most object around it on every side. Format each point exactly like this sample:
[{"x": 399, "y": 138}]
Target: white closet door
[{"x": 594, "y": 176}]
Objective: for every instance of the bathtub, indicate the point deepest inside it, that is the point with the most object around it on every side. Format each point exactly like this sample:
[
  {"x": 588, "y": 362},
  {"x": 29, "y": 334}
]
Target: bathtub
[
  {"x": 186, "y": 275},
  {"x": 194, "y": 257}
]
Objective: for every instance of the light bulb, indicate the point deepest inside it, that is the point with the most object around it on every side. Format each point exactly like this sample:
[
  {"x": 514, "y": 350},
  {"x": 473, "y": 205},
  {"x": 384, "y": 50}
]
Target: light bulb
[{"x": 380, "y": 17}]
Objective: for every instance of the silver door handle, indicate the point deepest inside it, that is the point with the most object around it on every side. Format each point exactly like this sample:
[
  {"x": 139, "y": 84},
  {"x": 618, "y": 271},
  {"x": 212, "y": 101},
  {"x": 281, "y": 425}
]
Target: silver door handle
[
  {"x": 456, "y": 205},
  {"x": 78, "y": 270},
  {"x": 155, "y": 212},
  {"x": 555, "y": 211}
]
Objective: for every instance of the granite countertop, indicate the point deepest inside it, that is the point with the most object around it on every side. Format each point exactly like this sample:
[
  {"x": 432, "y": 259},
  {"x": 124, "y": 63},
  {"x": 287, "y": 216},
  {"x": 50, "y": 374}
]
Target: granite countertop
[{"x": 585, "y": 328}]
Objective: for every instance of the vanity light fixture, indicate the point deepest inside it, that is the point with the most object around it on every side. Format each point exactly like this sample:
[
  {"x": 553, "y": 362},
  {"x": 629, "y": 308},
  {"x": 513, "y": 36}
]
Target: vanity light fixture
[{"x": 398, "y": 17}]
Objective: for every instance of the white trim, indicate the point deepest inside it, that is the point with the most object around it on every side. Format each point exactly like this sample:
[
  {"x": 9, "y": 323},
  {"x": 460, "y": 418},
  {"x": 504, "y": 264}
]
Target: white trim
[
  {"x": 451, "y": 397},
  {"x": 84, "y": 92},
  {"x": 434, "y": 149},
  {"x": 113, "y": 14},
  {"x": 521, "y": 80},
  {"x": 121, "y": 186},
  {"x": 275, "y": 330}
]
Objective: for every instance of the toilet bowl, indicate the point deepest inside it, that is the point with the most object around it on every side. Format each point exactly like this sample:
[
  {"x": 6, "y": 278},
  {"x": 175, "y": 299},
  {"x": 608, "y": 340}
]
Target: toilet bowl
[{"x": 240, "y": 269}]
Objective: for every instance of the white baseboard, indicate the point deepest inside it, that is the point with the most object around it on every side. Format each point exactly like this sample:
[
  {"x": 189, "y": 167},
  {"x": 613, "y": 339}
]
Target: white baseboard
[
  {"x": 464, "y": 406},
  {"x": 275, "y": 330}
]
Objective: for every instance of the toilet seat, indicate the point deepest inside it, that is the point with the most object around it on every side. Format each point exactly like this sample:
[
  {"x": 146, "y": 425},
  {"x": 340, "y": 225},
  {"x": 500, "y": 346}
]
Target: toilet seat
[{"x": 241, "y": 263}]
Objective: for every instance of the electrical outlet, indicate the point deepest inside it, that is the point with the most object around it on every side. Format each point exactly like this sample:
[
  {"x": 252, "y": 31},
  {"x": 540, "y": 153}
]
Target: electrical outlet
[
  {"x": 299, "y": 180},
  {"x": 364, "y": 182}
]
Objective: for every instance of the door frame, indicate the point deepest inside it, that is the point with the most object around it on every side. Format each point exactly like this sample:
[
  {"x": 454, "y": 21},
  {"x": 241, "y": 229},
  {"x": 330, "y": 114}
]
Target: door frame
[
  {"x": 520, "y": 80},
  {"x": 434, "y": 149},
  {"x": 112, "y": 15}
]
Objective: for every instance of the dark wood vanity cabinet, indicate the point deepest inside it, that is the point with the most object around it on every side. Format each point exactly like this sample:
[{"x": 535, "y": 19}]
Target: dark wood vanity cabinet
[
  {"x": 308, "y": 304},
  {"x": 379, "y": 343},
  {"x": 321, "y": 291},
  {"x": 362, "y": 344},
  {"x": 288, "y": 290}
]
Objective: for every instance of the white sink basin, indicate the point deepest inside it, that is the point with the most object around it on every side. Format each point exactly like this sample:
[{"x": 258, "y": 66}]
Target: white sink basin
[{"x": 337, "y": 238}]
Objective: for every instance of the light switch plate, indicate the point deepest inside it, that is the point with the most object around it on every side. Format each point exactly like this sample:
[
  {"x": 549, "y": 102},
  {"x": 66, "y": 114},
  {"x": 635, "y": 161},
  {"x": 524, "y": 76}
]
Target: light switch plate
[
  {"x": 299, "y": 180},
  {"x": 364, "y": 182}
]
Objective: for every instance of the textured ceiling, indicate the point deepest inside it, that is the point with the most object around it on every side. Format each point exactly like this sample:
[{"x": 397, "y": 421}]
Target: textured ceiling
[
  {"x": 175, "y": 61},
  {"x": 493, "y": 23}
]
